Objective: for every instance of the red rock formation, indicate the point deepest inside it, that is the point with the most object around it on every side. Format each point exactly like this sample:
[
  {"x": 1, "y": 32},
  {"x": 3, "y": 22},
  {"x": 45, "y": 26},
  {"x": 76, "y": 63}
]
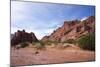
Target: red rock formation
[
  {"x": 22, "y": 36},
  {"x": 72, "y": 30},
  {"x": 45, "y": 38}
]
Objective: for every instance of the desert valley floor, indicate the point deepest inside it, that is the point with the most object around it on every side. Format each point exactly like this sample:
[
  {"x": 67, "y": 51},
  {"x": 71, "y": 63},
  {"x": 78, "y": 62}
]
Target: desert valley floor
[{"x": 49, "y": 55}]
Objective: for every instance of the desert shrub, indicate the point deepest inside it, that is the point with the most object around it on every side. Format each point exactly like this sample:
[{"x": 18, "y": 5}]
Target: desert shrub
[
  {"x": 42, "y": 43},
  {"x": 50, "y": 42},
  {"x": 54, "y": 42},
  {"x": 87, "y": 42},
  {"x": 69, "y": 41},
  {"x": 33, "y": 43},
  {"x": 39, "y": 46},
  {"x": 47, "y": 43},
  {"x": 24, "y": 44}
]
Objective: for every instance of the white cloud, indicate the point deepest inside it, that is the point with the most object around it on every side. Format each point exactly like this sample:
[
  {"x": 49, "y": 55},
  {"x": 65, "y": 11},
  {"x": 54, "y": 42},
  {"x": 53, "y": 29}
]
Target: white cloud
[{"x": 84, "y": 18}]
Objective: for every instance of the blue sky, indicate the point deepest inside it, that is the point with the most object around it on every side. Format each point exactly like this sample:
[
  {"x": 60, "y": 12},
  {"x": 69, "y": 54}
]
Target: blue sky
[{"x": 44, "y": 18}]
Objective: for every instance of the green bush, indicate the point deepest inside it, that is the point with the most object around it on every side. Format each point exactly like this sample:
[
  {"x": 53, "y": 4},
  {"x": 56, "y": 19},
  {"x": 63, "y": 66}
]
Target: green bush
[
  {"x": 87, "y": 42},
  {"x": 24, "y": 44}
]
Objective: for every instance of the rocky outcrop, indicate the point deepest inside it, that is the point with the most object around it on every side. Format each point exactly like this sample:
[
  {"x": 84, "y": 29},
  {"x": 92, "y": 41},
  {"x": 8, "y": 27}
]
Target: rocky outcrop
[
  {"x": 72, "y": 30},
  {"x": 45, "y": 38},
  {"x": 22, "y": 36}
]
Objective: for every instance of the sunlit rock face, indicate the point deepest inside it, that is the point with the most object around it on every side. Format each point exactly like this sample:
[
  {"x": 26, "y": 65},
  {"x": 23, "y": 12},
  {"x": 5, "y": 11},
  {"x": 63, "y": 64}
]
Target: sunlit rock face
[{"x": 72, "y": 30}]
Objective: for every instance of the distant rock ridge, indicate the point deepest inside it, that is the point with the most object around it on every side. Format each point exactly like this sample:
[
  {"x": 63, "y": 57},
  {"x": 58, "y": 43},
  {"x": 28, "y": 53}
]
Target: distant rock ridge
[
  {"x": 72, "y": 30},
  {"x": 22, "y": 36}
]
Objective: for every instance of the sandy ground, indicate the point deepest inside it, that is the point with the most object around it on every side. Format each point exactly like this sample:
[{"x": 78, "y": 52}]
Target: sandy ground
[{"x": 49, "y": 55}]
